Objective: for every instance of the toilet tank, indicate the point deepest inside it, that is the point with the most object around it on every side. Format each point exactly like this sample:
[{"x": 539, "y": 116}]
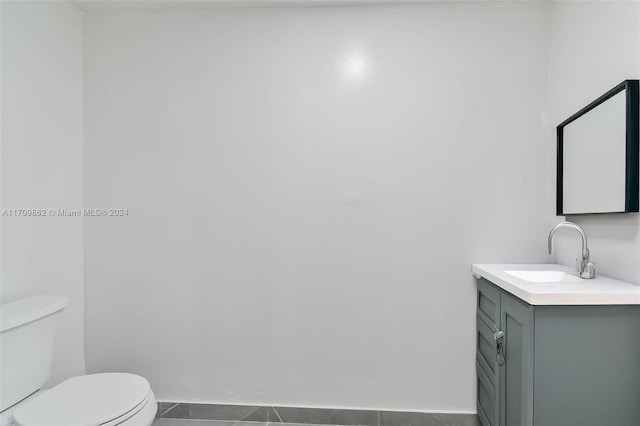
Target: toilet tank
[{"x": 27, "y": 331}]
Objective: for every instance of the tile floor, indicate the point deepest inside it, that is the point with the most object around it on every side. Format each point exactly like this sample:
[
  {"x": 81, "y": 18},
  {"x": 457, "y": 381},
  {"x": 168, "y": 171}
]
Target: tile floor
[
  {"x": 198, "y": 422},
  {"x": 193, "y": 414}
]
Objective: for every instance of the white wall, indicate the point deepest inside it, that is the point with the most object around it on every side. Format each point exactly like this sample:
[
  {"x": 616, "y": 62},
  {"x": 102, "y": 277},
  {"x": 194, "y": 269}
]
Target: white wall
[
  {"x": 42, "y": 164},
  {"x": 307, "y": 189},
  {"x": 593, "y": 46}
]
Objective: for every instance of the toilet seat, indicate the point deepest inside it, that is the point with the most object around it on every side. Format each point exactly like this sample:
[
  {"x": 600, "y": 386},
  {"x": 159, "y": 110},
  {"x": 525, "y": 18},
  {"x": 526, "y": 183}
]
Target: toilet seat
[{"x": 96, "y": 399}]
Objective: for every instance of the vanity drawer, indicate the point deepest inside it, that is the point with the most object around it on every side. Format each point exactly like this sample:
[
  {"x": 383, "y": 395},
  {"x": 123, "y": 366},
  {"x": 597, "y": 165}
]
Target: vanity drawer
[{"x": 488, "y": 303}]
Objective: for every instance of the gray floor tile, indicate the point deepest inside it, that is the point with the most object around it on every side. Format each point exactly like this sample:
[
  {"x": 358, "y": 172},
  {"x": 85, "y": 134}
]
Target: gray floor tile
[
  {"x": 261, "y": 414},
  {"x": 178, "y": 411},
  {"x": 198, "y": 422},
  {"x": 216, "y": 412},
  {"x": 297, "y": 424},
  {"x": 228, "y": 412},
  {"x": 427, "y": 419},
  {"x": 163, "y": 407},
  {"x": 274, "y": 417},
  {"x": 326, "y": 417}
]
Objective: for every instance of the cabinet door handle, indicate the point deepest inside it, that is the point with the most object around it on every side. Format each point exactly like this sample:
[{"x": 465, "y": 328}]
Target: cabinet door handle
[{"x": 498, "y": 335}]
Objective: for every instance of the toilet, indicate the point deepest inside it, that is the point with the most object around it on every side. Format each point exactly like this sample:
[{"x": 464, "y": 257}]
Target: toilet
[{"x": 27, "y": 331}]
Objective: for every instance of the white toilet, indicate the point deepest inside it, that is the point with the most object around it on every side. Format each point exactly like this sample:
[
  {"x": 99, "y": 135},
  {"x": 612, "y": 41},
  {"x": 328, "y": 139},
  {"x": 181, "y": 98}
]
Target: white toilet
[{"x": 27, "y": 331}]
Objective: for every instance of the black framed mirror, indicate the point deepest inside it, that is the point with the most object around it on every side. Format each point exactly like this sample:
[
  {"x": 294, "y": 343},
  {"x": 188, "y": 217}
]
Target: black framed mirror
[{"x": 598, "y": 155}]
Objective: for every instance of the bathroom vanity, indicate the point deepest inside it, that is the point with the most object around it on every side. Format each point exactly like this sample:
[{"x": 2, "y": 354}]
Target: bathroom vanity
[{"x": 554, "y": 349}]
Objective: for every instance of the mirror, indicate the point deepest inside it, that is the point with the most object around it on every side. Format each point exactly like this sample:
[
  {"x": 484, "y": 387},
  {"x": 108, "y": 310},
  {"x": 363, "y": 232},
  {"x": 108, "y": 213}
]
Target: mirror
[{"x": 598, "y": 155}]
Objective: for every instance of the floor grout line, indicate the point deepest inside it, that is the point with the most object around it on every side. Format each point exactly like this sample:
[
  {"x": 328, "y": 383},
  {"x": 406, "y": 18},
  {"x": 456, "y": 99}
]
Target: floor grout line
[
  {"x": 252, "y": 411},
  {"x": 277, "y": 414},
  {"x": 169, "y": 409}
]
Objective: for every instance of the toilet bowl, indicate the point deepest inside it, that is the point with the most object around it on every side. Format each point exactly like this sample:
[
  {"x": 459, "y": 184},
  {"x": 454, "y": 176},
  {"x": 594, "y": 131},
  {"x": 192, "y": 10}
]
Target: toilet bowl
[
  {"x": 106, "y": 399},
  {"x": 27, "y": 328}
]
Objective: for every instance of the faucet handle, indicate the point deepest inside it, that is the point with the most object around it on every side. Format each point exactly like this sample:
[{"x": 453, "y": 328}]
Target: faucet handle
[{"x": 589, "y": 271}]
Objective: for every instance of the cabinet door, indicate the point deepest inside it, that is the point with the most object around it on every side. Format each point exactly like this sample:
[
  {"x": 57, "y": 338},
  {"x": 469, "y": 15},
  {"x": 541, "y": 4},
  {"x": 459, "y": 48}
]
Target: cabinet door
[
  {"x": 516, "y": 378},
  {"x": 487, "y": 368}
]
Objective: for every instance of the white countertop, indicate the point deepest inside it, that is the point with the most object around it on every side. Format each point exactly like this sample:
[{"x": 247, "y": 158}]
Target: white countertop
[{"x": 598, "y": 291}]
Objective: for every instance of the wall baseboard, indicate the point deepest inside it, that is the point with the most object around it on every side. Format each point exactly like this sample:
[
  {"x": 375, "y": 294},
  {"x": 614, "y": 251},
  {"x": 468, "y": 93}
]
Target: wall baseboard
[{"x": 314, "y": 416}]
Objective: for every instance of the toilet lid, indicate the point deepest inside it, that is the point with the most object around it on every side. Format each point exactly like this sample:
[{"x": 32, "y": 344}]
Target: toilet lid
[{"x": 89, "y": 400}]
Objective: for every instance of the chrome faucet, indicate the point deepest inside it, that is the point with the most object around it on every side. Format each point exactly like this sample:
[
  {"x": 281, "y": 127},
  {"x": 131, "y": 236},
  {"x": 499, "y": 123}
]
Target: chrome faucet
[{"x": 585, "y": 268}]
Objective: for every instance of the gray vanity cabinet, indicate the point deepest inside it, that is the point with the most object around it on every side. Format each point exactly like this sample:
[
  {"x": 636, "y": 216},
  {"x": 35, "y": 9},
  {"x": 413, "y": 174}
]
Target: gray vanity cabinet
[{"x": 562, "y": 366}]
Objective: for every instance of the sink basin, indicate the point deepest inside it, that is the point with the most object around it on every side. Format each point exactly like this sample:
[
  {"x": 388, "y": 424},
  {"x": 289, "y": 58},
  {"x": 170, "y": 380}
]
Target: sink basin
[{"x": 544, "y": 276}]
